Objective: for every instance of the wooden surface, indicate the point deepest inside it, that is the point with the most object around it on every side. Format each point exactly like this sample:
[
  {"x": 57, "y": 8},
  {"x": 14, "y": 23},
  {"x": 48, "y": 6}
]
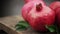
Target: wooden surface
[{"x": 8, "y": 24}]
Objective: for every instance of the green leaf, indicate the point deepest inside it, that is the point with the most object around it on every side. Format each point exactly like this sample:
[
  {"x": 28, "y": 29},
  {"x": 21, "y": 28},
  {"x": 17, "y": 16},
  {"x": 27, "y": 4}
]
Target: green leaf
[
  {"x": 51, "y": 28},
  {"x": 22, "y": 25}
]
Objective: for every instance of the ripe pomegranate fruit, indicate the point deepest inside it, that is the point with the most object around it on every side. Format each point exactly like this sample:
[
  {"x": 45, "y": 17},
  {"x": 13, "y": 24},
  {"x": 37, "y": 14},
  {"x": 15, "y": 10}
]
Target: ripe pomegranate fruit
[
  {"x": 28, "y": 6},
  {"x": 38, "y": 15},
  {"x": 56, "y": 7}
]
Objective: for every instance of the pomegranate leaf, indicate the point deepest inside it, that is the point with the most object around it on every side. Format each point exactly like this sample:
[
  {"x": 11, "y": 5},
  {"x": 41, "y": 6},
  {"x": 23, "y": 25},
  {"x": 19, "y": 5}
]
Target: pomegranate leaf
[
  {"x": 22, "y": 25},
  {"x": 51, "y": 28}
]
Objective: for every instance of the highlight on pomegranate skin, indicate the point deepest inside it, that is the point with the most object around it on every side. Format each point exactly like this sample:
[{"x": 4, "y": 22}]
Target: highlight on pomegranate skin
[{"x": 38, "y": 15}]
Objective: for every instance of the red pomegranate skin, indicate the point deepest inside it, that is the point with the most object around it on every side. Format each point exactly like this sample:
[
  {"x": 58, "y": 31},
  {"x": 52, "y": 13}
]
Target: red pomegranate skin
[
  {"x": 26, "y": 1},
  {"x": 58, "y": 17},
  {"x": 56, "y": 7},
  {"x": 38, "y": 19},
  {"x": 28, "y": 6}
]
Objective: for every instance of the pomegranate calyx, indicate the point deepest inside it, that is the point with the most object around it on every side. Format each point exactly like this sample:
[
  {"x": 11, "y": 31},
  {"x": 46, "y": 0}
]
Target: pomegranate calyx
[{"x": 39, "y": 7}]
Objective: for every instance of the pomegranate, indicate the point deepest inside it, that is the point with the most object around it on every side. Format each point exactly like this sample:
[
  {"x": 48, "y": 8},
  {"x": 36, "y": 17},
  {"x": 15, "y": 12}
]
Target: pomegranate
[
  {"x": 38, "y": 15},
  {"x": 56, "y": 7},
  {"x": 28, "y": 6}
]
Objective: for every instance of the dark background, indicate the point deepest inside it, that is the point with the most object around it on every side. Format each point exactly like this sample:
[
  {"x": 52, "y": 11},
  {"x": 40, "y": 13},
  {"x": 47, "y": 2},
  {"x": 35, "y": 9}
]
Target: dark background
[
  {"x": 13, "y": 7},
  {"x": 10, "y": 7}
]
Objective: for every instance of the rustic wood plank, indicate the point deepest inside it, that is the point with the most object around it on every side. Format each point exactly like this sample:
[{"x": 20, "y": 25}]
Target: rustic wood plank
[{"x": 8, "y": 23}]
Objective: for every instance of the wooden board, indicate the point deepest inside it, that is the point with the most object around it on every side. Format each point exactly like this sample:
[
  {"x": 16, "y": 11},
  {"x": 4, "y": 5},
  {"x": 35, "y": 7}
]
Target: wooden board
[{"x": 8, "y": 24}]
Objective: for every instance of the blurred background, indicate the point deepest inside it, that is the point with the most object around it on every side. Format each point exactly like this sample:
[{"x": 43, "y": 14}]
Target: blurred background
[
  {"x": 10, "y": 7},
  {"x": 13, "y": 7}
]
